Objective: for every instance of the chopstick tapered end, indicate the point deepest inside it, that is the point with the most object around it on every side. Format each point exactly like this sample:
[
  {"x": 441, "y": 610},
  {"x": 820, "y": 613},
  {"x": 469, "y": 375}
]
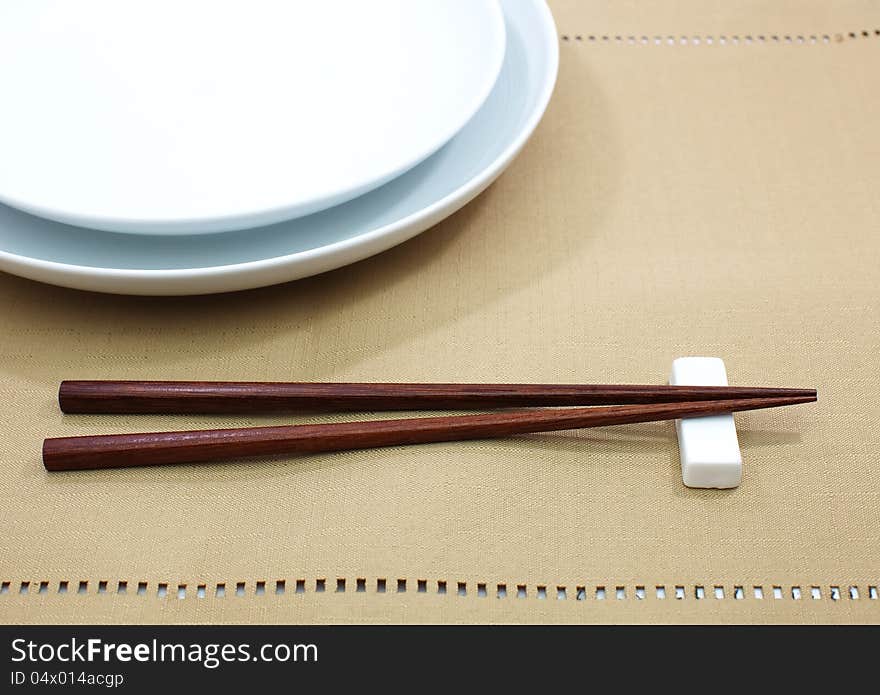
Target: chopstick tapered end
[{"x": 805, "y": 393}]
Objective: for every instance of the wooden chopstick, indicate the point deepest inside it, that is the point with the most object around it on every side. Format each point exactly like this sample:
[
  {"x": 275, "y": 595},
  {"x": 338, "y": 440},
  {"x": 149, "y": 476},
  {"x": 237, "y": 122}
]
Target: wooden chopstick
[
  {"x": 260, "y": 397},
  {"x": 123, "y": 450}
]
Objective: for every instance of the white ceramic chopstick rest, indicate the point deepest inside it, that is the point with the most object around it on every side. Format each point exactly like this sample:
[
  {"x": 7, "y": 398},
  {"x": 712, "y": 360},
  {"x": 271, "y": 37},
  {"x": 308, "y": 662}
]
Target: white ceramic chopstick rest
[{"x": 710, "y": 455}]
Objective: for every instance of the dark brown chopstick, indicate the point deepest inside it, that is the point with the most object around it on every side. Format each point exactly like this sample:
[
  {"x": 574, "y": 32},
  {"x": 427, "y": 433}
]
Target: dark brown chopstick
[
  {"x": 189, "y": 397},
  {"x": 123, "y": 450}
]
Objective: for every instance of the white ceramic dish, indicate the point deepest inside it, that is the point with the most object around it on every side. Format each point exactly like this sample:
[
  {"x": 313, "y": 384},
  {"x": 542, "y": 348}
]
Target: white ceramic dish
[
  {"x": 134, "y": 264},
  {"x": 173, "y": 117}
]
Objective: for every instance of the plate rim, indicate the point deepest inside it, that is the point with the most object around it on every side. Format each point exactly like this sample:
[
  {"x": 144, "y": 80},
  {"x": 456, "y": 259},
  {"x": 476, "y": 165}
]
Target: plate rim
[{"x": 324, "y": 258}]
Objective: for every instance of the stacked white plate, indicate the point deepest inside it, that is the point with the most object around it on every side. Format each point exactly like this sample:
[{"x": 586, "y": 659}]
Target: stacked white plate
[{"x": 219, "y": 145}]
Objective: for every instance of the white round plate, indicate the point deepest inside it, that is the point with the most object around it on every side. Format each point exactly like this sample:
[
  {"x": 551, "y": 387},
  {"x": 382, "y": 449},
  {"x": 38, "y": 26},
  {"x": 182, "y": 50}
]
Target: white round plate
[
  {"x": 169, "y": 117},
  {"x": 175, "y": 265}
]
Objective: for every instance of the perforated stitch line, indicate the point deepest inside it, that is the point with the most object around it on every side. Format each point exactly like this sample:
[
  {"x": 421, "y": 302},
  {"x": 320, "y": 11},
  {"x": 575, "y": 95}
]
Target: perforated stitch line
[
  {"x": 720, "y": 39},
  {"x": 480, "y": 590}
]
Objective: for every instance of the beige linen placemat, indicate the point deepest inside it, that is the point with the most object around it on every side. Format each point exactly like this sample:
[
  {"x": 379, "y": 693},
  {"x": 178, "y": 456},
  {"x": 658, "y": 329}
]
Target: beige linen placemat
[{"x": 684, "y": 196}]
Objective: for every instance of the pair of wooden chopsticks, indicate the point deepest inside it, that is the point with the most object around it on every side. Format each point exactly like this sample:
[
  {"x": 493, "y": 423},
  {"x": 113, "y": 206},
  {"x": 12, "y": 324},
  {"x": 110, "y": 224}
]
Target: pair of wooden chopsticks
[{"x": 631, "y": 404}]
